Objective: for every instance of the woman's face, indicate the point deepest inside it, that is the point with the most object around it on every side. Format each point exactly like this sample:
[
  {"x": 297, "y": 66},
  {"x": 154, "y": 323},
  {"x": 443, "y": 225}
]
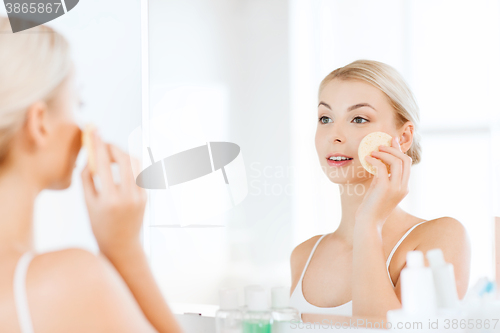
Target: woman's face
[
  {"x": 64, "y": 137},
  {"x": 348, "y": 110}
]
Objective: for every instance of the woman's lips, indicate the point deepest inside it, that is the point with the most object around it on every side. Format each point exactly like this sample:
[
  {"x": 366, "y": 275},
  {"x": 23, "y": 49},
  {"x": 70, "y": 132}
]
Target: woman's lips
[{"x": 337, "y": 163}]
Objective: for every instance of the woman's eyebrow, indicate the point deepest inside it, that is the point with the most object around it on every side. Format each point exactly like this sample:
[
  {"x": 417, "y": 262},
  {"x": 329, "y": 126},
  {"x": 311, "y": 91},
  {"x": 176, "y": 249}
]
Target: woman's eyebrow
[
  {"x": 323, "y": 103},
  {"x": 357, "y": 106}
]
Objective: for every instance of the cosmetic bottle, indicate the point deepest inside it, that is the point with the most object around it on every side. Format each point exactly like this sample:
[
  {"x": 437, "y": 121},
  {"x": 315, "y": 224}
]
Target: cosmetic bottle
[
  {"x": 247, "y": 289},
  {"x": 282, "y": 314},
  {"x": 444, "y": 280},
  {"x": 417, "y": 286},
  {"x": 417, "y": 297},
  {"x": 257, "y": 318},
  {"x": 228, "y": 319}
]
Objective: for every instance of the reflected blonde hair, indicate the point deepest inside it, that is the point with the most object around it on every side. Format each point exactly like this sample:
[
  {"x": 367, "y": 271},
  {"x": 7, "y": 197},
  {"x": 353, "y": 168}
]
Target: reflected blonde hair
[
  {"x": 35, "y": 64},
  {"x": 390, "y": 82}
]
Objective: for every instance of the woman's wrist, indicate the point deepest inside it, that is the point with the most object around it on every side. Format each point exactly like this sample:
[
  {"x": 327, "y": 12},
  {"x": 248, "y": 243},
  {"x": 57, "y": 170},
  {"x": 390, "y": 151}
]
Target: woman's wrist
[
  {"x": 123, "y": 250},
  {"x": 364, "y": 225}
]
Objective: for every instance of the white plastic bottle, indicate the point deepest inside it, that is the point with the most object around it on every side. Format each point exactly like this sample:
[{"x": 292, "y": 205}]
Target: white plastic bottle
[
  {"x": 417, "y": 297},
  {"x": 444, "y": 280},
  {"x": 247, "y": 289},
  {"x": 417, "y": 286},
  {"x": 257, "y": 318},
  {"x": 228, "y": 319},
  {"x": 283, "y": 315}
]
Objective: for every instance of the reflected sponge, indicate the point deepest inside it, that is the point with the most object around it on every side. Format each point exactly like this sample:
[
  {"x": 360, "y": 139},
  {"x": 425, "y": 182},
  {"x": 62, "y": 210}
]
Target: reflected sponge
[{"x": 370, "y": 143}]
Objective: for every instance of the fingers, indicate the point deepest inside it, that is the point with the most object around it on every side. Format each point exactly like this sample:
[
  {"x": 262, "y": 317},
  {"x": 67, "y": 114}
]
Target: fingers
[
  {"x": 137, "y": 166},
  {"x": 127, "y": 179},
  {"x": 103, "y": 164},
  {"x": 407, "y": 162},
  {"x": 395, "y": 164},
  {"x": 402, "y": 162},
  {"x": 381, "y": 167},
  {"x": 406, "y": 171},
  {"x": 122, "y": 159},
  {"x": 90, "y": 191}
]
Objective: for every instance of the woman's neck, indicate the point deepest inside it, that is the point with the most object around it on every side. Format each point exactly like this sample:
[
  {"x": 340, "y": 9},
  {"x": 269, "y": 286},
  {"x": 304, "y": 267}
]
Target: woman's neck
[
  {"x": 351, "y": 196},
  {"x": 17, "y": 200}
]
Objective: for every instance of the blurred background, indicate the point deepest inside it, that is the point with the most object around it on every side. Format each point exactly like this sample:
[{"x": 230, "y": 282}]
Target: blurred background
[{"x": 253, "y": 68}]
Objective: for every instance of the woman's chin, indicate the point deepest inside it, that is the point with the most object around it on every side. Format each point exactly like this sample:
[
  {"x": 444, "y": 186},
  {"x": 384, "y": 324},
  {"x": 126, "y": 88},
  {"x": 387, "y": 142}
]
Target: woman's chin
[
  {"x": 61, "y": 184},
  {"x": 348, "y": 181},
  {"x": 342, "y": 181},
  {"x": 59, "y": 187}
]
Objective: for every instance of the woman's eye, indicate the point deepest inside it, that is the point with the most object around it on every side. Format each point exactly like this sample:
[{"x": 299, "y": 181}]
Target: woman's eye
[
  {"x": 359, "y": 118},
  {"x": 321, "y": 120}
]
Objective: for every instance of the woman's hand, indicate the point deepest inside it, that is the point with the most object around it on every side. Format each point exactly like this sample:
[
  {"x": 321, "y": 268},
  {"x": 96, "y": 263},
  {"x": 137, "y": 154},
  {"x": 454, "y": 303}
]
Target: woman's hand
[
  {"x": 385, "y": 192},
  {"x": 116, "y": 211}
]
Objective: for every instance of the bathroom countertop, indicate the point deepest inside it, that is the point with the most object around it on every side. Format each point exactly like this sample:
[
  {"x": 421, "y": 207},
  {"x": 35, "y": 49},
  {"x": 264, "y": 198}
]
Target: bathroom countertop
[{"x": 196, "y": 323}]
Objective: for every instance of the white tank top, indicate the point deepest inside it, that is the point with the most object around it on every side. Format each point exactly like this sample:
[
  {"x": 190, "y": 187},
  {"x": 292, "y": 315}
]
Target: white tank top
[
  {"x": 298, "y": 301},
  {"x": 20, "y": 298}
]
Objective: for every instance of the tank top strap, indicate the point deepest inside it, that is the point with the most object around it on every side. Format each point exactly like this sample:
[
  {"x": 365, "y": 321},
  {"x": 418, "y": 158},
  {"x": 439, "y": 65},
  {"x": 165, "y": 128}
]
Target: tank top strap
[
  {"x": 310, "y": 256},
  {"x": 399, "y": 242},
  {"x": 20, "y": 297}
]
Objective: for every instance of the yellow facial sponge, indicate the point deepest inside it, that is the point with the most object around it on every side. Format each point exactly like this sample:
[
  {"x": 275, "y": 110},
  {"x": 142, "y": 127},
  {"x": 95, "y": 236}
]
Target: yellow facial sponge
[
  {"x": 370, "y": 143},
  {"x": 87, "y": 136}
]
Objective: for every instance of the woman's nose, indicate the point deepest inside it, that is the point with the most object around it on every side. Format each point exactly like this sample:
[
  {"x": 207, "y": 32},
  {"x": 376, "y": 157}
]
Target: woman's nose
[{"x": 336, "y": 135}]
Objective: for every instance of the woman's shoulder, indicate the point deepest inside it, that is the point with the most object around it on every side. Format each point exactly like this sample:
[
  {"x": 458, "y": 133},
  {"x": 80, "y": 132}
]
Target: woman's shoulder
[
  {"x": 449, "y": 235},
  {"x": 299, "y": 257},
  {"x": 82, "y": 289},
  {"x": 66, "y": 267},
  {"x": 63, "y": 282},
  {"x": 445, "y": 225},
  {"x": 303, "y": 250},
  {"x": 442, "y": 232}
]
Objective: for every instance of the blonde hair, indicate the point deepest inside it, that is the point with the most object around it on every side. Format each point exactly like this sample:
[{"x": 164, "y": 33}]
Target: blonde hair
[
  {"x": 390, "y": 82},
  {"x": 35, "y": 63}
]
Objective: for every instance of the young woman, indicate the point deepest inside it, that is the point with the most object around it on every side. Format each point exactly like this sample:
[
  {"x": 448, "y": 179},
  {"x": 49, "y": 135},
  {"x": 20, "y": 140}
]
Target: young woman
[
  {"x": 70, "y": 290},
  {"x": 355, "y": 269}
]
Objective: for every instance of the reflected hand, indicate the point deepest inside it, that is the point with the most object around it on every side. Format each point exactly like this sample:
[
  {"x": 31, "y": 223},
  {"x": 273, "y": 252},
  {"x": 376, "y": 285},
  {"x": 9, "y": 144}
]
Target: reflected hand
[{"x": 385, "y": 191}]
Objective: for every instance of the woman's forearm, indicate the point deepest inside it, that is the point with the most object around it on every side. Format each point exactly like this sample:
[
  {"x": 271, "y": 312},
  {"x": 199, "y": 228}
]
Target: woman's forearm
[
  {"x": 372, "y": 292},
  {"x": 132, "y": 264}
]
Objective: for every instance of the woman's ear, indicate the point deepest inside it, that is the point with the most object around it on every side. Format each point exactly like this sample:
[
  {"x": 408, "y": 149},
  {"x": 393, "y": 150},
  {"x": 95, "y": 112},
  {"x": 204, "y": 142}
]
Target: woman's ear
[
  {"x": 406, "y": 137},
  {"x": 36, "y": 124}
]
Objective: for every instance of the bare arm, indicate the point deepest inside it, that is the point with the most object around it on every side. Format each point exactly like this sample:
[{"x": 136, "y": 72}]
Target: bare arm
[
  {"x": 131, "y": 263},
  {"x": 116, "y": 214},
  {"x": 372, "y": 292}
]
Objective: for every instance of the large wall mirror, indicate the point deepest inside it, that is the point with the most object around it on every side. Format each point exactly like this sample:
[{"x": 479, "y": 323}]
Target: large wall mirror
[{"x": 248, "y": 72}]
